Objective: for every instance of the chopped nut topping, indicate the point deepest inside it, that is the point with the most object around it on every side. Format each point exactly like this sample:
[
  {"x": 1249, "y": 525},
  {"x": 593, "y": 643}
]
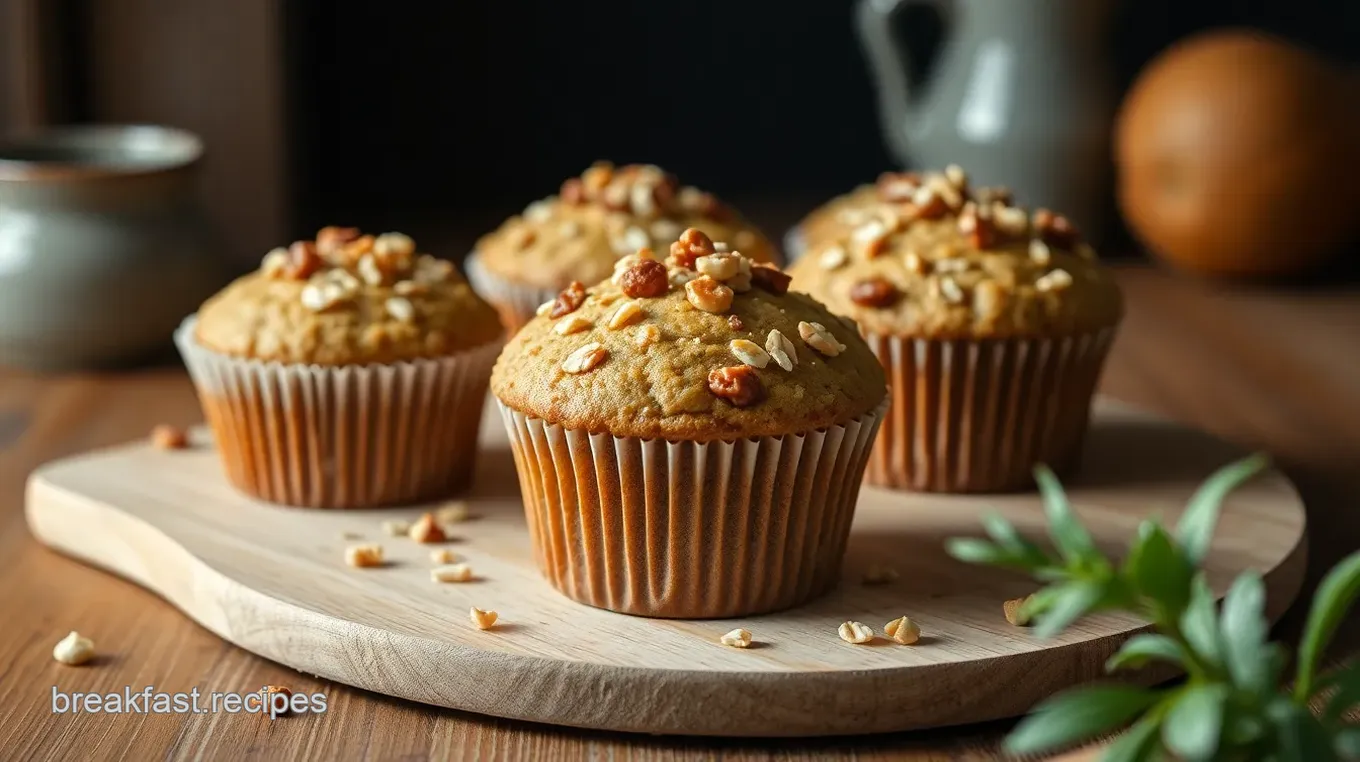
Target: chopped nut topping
[
  {"x": 275, "y": 263},
  {"x": 994, "y": 194},
  {"x": 819, "y": 338},
  {"x": 628, "y": 313},
  {"x": 903, "y": 630},
  {"x": 952, "y": 265},
  {"x": 1039, "y": 252},
  {"x": 428, "y": 269},
  {"x": 302, "y": 260},
  {"x": 692, "y": 244},
  {"x": 442, "y": 556},
  {"x": 945, "y": 190},
  {"x": 1055, "y": 230},
  {"x": 400, "y": 308},
  {"x": 928, "y": 203},
  {"x": 873, "y": 292},
  {"x": 394, "y": 246},
  {"x": 453, "y": 513},
  {"x": 734, "y": 322},
  {"x": 451, "y": 573},
  {"x": 781, "y": 350},
  {"x": 538, "y": 212},
  {"x": 483, "y": 620},
  {"x": 914, "y": 263},
  {"x": 645, "y": 280},
  {"x": 348, "y": 254},
  {"x": 950, "y": 290},
  {"x": 977, "y": 225},
  {"x": 956, "y": 176},
  {"x": 719, "y": 266},
  {"x": 368, "y": 270},
  {"x": 573, "y": 191},
  {"x": 598, "y": 176},
  {"x": 74, "y": 649},
  {"x": 364, "y": 556},
  {"x": 737, "y": 384},
  {"x": 648, "y": 335},
  {"x": 708, "y": 295},
  {"x": 571, "y": 324},
  {"x": 319, "y": 297},
  {"x": 770, "y": 279},
  {"x": 737, "y": 638},
  {"x": 585, "y": 359},
  {"x": 680, "y": 276},
  {"x": 1010, "y": 221},
  {"x": 1057, "y": 280},
  {"x": 749, "y": 353},
  {"x": 396, "y": 527},
  {"x": 411, "y": 288},
  {"x": 832, "y": 258},
  {"x": 855, "y": 632},
  {"x": 545, "y": 307},
  {"x": 427, "y": 529},
  {"x": 167, "y": 437},
  {"x": 878, "y": 574},
  {"x": 1013, "y": 609},
  {"x": 897, "y": 186},
  {"x": 721, "y": 247},
  {"x": 569, "y": 300},
  {"x": 331, "y": 238}
]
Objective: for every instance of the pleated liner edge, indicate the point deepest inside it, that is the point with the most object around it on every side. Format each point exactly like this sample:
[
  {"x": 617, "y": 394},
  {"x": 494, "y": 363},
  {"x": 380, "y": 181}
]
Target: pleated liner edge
[{"x": 515, "y": 303}]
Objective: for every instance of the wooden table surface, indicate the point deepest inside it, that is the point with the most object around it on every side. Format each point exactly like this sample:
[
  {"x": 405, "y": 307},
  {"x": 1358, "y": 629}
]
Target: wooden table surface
[{"x": 1278, "y": 370}]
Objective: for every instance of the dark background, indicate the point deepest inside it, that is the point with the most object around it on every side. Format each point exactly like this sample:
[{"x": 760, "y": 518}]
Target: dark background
[{"x": 467, "y": 110}]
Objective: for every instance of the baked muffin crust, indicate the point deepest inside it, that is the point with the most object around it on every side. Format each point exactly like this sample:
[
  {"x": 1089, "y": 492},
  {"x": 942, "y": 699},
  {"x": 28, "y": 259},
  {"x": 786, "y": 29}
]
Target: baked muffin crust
[
  {"x": 706, "y": 345},
  {"x": 605, "y": 214},
  {"x": 935, "y": 260},
  {"x": 347, "y": 299}
]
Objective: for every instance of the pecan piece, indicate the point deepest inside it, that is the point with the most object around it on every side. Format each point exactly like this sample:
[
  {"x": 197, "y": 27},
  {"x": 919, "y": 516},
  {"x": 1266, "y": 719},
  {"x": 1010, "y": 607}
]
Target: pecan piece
[
  {"x": 1055, "y": 230},
  {"x": 302, "y": 260},
  {"x": 573, "y": 191},
  {"x": 737, "y": 384},
  {"x": 645, "y": 280},
  {"x": 692, "y": 244},
  {"x": 873, "y": 292},
  {"x": 976, "y": 224},
  {"x": 569, "y": 300},
  {"x": 771, "y": 279},
  {"x": 330, "y": 238}
]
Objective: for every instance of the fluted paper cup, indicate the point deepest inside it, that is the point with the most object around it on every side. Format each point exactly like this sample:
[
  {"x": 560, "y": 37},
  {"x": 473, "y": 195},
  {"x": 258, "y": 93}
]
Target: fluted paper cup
[
  {"x": 359, "y": 436},
  {"x": 978, "y": 415},
  {"x": 685, "y": 529},
  {"x": 516, "y": 303}
]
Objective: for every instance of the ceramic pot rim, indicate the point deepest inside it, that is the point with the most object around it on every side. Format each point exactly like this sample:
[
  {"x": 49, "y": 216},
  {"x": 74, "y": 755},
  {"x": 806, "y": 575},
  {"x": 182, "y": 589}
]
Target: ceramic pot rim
[{"x": 94, "y": 152}]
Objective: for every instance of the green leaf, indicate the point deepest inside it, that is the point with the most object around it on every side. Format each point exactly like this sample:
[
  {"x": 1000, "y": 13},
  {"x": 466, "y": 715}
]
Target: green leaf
[
  {"x": 1198, "y": 622},
  {"x": 1193, "y": 723},
  {"x": 1347, "y": 743},
  {"x": 1071, "y": 537},
  {"x": 1069, "y": 602},
  {"x": 1078, "y": 715},
  {"x": 1299, "y": 737},
  {"x": 1332, "y": 600},
  {"x": 1195, "y": 530},
  {"x": 1136, "y": 744},
  {"x": 1157, "y": 568},
  {"x": 1242, "y": 632},
  {"x": 1140, "y": 649},
  {"x": 974, "y": 551},
  {"x": 1004, "y": 535},
  {"x": 1347, "y": 685}
]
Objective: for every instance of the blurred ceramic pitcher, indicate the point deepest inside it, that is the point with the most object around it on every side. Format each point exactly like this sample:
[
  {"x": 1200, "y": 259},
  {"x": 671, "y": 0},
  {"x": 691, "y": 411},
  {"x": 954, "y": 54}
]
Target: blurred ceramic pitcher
[{"x": 1019, "y": 92}]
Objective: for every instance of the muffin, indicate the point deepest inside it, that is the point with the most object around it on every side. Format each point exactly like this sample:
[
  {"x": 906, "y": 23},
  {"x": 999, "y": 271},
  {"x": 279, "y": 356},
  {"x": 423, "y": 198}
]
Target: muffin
[
  {"x": 346, "y": 372},
  {"x": 838, "y": 217},
  {"x": 689, "y": 435},
  {"x": 579, "y": 234},
  {"x": 992, "y": 324}
]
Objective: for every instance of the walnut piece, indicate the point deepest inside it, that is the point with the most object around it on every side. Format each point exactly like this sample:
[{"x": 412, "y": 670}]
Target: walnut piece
[
  {"x": 1055, "y": 230},
  {"x": 737, "y": 384},
  {"x": 167, "y": 437},
  {"x": 737, "y": 638},
  {"x": 645, "y": 280},
  {"x": 749, "y": 353},
  {"x": 74, "y": 649},
  {"x": 364, "y": 556},
  {"x": 451, "y": 573},
  {"x": 692, "y": 244},
  {"x": 708, "y": 295},
  {"x": 585, "y": 359},
  {"x": 331, "y": 238},
  {"x": 482, "y": 620},
  {"x": 903, "y": 630},
  {"x": 855, "y": 632},
  {"x": 426, "y": 529},
  {"x": 303, "y": 260},
  {"x": 569, "y": 300},
  {"x": 874, "y": 292},
  {"x": 719, "y": 266},
  {"x": 1014, "y": 611}
]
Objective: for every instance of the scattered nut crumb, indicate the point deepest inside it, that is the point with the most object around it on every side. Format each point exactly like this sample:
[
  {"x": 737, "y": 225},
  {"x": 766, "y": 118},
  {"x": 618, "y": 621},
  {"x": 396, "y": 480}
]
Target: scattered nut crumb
[
  {"x": 442, "y": 556},
  {"x": 74, "y": 649},
  {"x": 167, "y": 437},
  {"x": 427, "y": 529},
  {"x": 737, "y": 638},
  {"x": 855, "y": 632},
  {"x": 451, "y": 573},
  {"x": 364, "y": 556},
  {"x": 453, "y": 513},
  {"x": 878, "y": 574},
  {"x": 270, "y": 691},
  {"x": 483, "y": 620},
  {"x": 1039, "y": 252},
  {"x": 903, "y": 630},
  {"x": 396, "y": 527},
  {"x": 1012, "y": 610}
]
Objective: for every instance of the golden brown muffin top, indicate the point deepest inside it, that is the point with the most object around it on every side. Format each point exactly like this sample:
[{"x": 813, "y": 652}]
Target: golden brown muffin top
[
  {"x": 347, "y": 299},
  {"x": 604, "y": 214},
  {"x": 936, "y": 260},
  {"x": 706, "y": 345},
  {"x": 839, "y": 216}
]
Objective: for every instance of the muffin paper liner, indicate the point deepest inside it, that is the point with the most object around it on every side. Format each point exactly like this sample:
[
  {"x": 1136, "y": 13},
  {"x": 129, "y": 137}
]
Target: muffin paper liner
[
  {"x": 516, "y": 303},
  {"x": 977, "y": 416},
  {"x": 686, "y": 529},
  {"x": 359, "y": 436}
]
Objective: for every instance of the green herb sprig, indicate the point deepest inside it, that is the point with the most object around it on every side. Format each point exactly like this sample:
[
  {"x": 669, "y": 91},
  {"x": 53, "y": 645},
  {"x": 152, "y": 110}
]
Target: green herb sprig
[{"x": 1231, "y": 706}]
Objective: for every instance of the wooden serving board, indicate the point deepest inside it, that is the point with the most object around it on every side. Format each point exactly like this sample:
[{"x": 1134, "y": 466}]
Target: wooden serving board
[{"x": 273, "y": 580}]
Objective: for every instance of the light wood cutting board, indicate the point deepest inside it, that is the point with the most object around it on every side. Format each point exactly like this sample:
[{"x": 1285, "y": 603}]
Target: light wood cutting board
[{"x": 273, "y": 580}]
